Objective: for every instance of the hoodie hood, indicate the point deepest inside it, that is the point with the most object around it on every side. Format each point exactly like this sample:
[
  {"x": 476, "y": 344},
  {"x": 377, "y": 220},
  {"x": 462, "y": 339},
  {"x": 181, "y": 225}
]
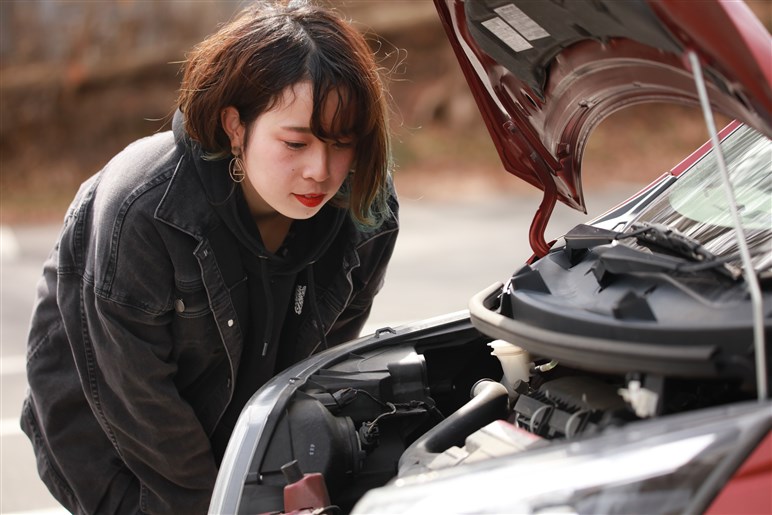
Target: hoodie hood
[{"x": 545, "y": 74}]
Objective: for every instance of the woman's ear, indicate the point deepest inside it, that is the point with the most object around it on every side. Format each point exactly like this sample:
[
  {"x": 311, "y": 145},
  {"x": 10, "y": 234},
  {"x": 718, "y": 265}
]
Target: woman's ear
[{"x": 231, "y": 124}]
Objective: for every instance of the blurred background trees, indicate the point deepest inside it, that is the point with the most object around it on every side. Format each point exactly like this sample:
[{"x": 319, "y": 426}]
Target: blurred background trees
[{"x": 80, "y": 79}]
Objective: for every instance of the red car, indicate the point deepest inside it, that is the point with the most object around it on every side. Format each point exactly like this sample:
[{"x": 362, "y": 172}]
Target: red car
[{"x": 625, "y": 367}]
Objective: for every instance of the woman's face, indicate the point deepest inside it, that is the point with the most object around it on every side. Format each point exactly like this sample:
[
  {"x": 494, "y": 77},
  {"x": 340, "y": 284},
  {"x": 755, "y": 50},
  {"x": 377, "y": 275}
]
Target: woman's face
[{"x": 289, "y": 170}]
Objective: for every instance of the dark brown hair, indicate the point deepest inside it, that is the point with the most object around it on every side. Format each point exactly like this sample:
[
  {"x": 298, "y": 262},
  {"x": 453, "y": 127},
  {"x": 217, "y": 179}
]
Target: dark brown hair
[{"x": 249, "y": 62}]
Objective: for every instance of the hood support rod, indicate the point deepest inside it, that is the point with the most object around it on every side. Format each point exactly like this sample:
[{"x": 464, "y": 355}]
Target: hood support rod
[{"x": 748, "y": 270}]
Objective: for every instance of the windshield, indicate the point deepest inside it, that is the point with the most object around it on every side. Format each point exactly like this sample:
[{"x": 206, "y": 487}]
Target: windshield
[{"x": 696, "y": 204}]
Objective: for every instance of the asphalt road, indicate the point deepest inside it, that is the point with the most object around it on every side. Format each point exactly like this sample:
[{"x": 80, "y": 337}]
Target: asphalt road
[{"x": 447, "y": 251}]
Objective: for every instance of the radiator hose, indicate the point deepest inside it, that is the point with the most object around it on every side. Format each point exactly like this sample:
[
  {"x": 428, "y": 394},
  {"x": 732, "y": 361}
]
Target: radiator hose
[{"x": 488, "y": 403}]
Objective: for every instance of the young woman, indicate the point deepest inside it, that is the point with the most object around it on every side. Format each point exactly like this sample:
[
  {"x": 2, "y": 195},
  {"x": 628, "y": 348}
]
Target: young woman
[{"x": 201, "y": 261}]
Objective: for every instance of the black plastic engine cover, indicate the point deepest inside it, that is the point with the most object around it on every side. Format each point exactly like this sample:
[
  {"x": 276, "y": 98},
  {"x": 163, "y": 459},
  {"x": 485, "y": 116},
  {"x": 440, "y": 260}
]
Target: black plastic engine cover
[{"x": 568, "y": 306}]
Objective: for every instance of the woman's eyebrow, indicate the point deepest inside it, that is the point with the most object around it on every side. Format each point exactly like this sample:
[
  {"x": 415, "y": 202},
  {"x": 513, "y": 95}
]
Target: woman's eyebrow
[
  {"x": 294, "y": 128},
  {"x": 307, "y": 130}
]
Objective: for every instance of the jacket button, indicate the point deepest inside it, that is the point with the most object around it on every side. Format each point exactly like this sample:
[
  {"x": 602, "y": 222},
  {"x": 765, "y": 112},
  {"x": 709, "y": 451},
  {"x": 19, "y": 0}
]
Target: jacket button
[
  {"x": 230, "y": 323},
  {"x": 179, "y": 306}
]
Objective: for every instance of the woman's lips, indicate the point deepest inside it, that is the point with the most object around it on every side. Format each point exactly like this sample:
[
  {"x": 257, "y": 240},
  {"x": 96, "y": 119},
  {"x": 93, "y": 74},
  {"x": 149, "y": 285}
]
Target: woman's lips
[{"x": 311, "y": 200}]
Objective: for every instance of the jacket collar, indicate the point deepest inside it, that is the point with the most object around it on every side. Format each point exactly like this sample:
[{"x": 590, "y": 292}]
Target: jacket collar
[{"x": 185, "y": 205}]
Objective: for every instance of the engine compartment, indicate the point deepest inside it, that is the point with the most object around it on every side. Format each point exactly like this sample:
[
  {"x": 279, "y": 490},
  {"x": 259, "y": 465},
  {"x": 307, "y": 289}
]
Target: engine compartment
[{"x": 445, "y": 399}]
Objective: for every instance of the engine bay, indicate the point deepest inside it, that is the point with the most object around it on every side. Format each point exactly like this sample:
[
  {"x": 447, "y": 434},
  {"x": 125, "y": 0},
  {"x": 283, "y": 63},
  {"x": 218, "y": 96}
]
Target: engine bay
[{"x": 441, "y": 399}]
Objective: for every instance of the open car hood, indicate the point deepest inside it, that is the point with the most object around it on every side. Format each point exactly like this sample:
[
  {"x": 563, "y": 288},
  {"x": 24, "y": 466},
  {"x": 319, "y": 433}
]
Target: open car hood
[{"x": 544, "y": 74}]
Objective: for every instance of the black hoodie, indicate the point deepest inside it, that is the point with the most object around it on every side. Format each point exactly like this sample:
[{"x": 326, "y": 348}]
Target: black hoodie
[{"x": 280, "y": 286}]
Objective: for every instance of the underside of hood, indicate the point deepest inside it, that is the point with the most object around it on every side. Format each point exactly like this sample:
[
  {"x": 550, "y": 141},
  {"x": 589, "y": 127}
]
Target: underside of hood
[{"x": 545, "y": 73}]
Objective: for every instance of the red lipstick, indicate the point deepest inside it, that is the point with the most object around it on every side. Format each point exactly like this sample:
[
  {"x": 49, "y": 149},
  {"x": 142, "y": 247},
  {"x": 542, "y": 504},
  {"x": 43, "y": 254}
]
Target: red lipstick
[{"x": 312, "y": 200}]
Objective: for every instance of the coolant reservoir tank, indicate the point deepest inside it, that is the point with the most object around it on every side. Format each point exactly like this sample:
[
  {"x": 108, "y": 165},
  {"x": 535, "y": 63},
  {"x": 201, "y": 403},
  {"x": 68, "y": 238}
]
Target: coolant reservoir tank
[{"x": 515, "y": 361}]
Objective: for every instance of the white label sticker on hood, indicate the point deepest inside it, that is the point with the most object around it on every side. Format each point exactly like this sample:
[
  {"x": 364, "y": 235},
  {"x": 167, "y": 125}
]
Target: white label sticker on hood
[
  {"x": 521, "y": 22},
  {"x": 507, "y": 34}
]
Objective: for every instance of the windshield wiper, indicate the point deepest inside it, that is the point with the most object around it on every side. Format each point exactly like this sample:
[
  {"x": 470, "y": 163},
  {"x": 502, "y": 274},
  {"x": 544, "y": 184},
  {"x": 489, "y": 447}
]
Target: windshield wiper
[
  {"x": 662, "y": 236},
  {"x": 682, "y": 253}
]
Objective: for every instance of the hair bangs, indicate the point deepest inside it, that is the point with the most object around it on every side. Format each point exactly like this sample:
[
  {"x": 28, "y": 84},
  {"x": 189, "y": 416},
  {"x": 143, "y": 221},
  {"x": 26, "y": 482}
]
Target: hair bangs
[{"x": 337, "y": 115}]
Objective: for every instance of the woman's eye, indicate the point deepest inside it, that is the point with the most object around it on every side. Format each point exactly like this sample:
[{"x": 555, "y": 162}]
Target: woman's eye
[
  {"x": 294, "y": 145},
  {"x": 343, "y": 144}
]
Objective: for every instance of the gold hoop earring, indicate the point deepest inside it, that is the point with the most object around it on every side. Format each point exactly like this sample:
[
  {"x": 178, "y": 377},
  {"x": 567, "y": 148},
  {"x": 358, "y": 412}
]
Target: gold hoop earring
[{"x": 236, "y": 169}]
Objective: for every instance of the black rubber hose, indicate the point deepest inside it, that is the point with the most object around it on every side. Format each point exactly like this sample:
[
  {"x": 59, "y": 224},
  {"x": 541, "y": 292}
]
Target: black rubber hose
[{"x": 488, "y": 404}]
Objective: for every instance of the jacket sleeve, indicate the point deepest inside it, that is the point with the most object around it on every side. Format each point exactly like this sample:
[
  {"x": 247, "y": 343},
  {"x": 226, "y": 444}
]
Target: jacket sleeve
[
  {"x": 368, "y": 280},
  {"x": 154, "y": 430},
  {"x": 126, "y": 352}
]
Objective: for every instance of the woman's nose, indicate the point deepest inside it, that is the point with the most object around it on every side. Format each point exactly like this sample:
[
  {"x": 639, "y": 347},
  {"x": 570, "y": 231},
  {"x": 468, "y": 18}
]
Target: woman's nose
[{"x": 318, "y": 166}]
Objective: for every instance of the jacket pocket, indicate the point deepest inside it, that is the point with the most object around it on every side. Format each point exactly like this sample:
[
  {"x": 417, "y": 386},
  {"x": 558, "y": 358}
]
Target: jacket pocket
[
  {"x": 203, "y": 370},
  {"x": 197, "y": 342}
]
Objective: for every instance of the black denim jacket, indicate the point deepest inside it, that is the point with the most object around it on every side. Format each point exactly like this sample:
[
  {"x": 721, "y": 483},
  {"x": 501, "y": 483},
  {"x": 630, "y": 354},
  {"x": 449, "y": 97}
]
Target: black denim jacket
[{"x": 138, "y": 331}]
